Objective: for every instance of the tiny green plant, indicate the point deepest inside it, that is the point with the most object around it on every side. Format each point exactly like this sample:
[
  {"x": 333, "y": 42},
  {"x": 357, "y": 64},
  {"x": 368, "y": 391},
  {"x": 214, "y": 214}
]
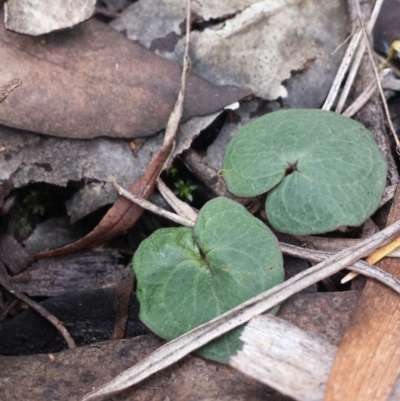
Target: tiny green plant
[
  {"x": 321, "y": 170},
  {"x": 185, "y": 189}
]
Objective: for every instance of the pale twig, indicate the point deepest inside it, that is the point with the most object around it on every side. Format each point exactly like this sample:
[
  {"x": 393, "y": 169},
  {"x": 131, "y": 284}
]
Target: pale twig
[
  {"x": 376, "y": 73},
  {"x": 313, "y": 256},
  {"x": 358, "y": 58},
  {"x": 358, "y": 267},
  {"x": 365, "y": 96},
  {"x": 342, "y": 71},
  {"x": 180, "y": 207},
  {"x": 175, "y": 118},
  {"x": 202, "y": 335},
  {"x": 145, "y": 204},
  {"x": 39, "y": 309}
]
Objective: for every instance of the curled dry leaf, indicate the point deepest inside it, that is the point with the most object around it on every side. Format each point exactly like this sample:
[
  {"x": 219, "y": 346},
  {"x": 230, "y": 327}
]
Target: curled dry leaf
[
  {"x": 36, "y": 17},
  {"x": 83, "y": 82}
]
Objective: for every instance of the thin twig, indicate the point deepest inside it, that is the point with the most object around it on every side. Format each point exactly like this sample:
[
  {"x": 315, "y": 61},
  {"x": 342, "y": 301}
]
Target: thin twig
[
  {"x": 145, "y": 204},
  {"x": 344, "y": 66},
  {"x": 7, "y": 308},
  {"x": 200, "y": 336},
  {"x": 175, "y": 118},
  {"x": 303, "y": 253},
  {"x": 376, "y": 73},
  {"x": 39, "y": 309},
  {"x": 365, "y": 95},
  {"x": 180, "y": 207},
  {"x": 358, "y": 267},
  {"x": 357, "y": 59}
]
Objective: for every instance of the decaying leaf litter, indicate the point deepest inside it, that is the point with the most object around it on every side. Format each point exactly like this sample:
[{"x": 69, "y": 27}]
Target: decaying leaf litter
[{"x": 240, "y": 21}]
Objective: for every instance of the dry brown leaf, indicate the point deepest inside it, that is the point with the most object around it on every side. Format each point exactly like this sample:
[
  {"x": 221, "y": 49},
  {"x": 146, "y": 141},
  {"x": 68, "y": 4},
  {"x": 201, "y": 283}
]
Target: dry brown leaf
[
  {"x": 36, "y": 17},
  {"x": 124, "y": 214},
  {"x": 91, "y": 81},
  {"x": 8, "y": 87}
]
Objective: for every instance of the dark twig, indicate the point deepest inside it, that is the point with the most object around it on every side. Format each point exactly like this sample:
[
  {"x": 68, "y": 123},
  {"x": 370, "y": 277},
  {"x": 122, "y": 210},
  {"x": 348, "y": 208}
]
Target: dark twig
[
  {"x": 39, "y": 309},
  {"x": 7, "y": 308}
]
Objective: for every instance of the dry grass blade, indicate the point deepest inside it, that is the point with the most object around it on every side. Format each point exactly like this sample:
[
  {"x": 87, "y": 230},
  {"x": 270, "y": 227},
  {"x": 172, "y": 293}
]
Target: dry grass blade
[{"x": 189, "y": 342}]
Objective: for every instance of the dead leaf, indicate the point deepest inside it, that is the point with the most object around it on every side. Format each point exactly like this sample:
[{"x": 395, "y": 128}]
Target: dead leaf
[
  {"x": 29, "y": 158},
  {"x": 72, "y": 374},
  {"x": 36, "y": 17},
  {"x": 236, "y": 51},
  {"x": 91, "y": 81},
  {"x": 8, "y": 87},
  {"x": 209, "y": 9},
  {"x": 75, "y": 372},
  {"x": 91, "y": 270},
  {"x": 13, "y": 255},
  {"x": 124, "y": 214}
]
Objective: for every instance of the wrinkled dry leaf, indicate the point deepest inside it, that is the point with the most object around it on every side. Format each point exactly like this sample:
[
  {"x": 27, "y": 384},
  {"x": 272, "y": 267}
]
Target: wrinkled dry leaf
[
  {"x": 91, "y": 81},
  {"x": 258, "y": 48},
  {"x": 36, "y": 17},
  {"x": 29, "y": 158}
]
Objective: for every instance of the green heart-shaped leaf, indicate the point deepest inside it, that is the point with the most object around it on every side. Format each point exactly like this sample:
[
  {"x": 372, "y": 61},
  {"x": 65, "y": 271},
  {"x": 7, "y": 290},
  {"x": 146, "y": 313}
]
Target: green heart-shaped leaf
[
  {"x": 187, "y": 277},
  {"x": 324, "y": 170}
]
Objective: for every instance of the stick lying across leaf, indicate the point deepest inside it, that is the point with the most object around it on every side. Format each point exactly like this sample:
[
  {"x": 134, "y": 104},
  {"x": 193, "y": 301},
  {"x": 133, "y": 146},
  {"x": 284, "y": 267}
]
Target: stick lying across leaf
[
  {"x": 196, "y": 338},
  {"x": 124, "y": 214}
]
